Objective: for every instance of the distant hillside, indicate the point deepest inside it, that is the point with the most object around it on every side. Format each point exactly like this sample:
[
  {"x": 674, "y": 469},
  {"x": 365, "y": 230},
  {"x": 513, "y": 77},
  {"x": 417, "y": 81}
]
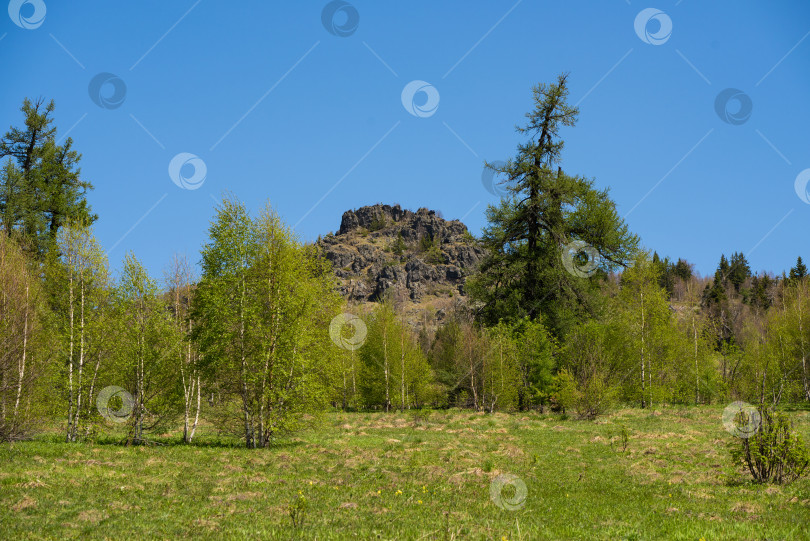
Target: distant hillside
[{"x": 418, "y": 258}]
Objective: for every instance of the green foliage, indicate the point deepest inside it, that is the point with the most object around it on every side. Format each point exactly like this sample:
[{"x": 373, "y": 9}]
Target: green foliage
[
  {"x": 587, "y": 383},
  {"x": 798, "y": 272},
  {"x": 683, "y": 270},
  {"x": 421, "y": 416},
  {"x": 772, "y": 364},
  {"x": 434, "y": 256},
  {"x": 775, "y": 453},
  {"x": 41, "y": 188},
  {"x": 536, "y": 350},
  {"x": 262, "y": 311},
  {"x": 501, "y": 373},
  {"x": 394, "y": 372},
  {"x": 84, "y": 322},
  {"x": 24, "y": 344},
  {"x": 529, "y": 232},
  {"x": 146, "y": 346},
  {"x": 739, "y": 270},
  {"x": 648, "y": 347},
  {"x": 625, "y": 437},
  {"x": 430, "y": 248},
  {"x": 378, "y": 223},
  {"x": 399, "y": 246},
  {"x": 426, "y": 243},
  {"x": 297, "y": 510},
  {"x": 759, "y": 296}
]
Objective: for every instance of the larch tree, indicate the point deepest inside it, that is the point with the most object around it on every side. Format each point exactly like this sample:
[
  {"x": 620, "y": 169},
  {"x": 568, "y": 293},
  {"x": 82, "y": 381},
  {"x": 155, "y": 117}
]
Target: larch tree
[
  {"x": 547, "y": 215},
  {"x": 41, "y": 186}
]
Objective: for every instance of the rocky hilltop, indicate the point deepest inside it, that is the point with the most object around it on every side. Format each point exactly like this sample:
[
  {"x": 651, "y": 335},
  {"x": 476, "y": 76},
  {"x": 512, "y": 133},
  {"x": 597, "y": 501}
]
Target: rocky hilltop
[{"x": 415, "y": 257}]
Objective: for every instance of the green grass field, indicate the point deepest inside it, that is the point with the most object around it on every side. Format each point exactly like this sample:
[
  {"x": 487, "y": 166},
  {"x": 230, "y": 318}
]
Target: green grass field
[{"x": 400, "y": 476}]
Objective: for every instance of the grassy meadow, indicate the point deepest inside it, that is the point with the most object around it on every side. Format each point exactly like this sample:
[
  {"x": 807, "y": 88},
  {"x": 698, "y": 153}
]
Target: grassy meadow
[{"x": 430, "y": 475}]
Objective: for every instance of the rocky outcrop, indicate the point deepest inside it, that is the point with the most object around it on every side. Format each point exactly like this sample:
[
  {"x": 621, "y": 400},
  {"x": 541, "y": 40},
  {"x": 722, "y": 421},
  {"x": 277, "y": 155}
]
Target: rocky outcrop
[{"x": 384, "y": 250}]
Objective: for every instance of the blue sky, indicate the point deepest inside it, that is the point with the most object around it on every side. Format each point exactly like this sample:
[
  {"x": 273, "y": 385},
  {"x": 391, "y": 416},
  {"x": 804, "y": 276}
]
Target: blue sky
[{"x": 278, "y": 107}]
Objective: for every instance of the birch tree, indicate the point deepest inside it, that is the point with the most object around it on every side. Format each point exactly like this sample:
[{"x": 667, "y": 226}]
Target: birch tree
[
  {"x": 395, "y": 372},
  {"x": 79, "y": 284},
  {"x": 21, "y": 323},
  {"x": 146, "y": 348},
  {"x": 261, "y": 313},
  {"x": 179, "y": 278},
  {"x": 645, "y": 314},
  {"x": 501, "y": 375}
]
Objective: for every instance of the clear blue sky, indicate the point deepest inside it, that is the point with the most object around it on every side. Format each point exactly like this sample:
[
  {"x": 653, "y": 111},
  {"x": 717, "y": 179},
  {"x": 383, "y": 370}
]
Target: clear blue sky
[{"x": 279, "y": 108}]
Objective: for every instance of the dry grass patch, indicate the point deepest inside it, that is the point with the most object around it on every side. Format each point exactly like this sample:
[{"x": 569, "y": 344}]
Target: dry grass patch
[
  {"x": 209, "y": 525},
  {"x": 36, "y": 483},
  {"x": 244, "y": 496},
  {"x": 26, "y": 503},
  {"x": 511, "y": 451},
  {"x": 91, "y": 515}
]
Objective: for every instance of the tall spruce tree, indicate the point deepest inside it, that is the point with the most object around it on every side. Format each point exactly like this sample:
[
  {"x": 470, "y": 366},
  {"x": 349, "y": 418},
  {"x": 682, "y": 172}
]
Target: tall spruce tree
[
  {"x": 799, "y": 271},
  {"x": 738, "y": 271},
  {"x": 545, "y": 211}
]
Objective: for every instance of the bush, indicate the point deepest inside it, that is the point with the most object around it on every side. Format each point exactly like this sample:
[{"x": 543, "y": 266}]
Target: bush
[
  {"x": 399, "y": 245},
  {"x": 378, "y": 223},
  {"x": 426, "y": 243},
  {"x": 774, "y": 454},
  {"x": 589, "y": 396},
  {"x": 434, "y": 256}
]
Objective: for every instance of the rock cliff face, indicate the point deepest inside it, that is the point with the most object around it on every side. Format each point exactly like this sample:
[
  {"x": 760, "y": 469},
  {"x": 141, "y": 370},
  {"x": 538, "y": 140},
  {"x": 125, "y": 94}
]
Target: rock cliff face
[{"x": 383, "y": 250}]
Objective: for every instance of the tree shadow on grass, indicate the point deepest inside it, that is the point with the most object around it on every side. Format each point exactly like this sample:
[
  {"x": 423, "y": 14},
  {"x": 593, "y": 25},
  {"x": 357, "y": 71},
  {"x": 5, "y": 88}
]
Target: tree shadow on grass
[
  {"x": 202, "y": 443},
  {"x": 800, "y": 406},
  {"x": 119, "y": 440}
]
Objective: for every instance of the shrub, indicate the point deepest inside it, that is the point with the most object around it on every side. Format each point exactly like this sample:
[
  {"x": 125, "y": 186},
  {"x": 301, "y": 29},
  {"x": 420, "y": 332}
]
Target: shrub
[
  {"x": 297, "y": 510},
  {"x": 588, "y": 396},
  {"x": 623, "y": 437},
  {"x": 434, "y": 256},
  {"x": 774, "y": 454},
  {"x": 378, "y": 223},
  {"x": 399, "y": 245},
  {"x": 426, "y": 242},
  {"x": 420, "y": 416}
]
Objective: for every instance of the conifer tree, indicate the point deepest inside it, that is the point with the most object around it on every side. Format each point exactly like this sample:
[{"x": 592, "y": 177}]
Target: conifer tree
[
  {"x": 547, "y": 210},
  {"x": 799, "y": 271},
  {"x": 41, "y": 188}
]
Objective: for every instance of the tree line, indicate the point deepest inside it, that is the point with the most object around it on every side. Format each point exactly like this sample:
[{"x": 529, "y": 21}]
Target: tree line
[{"x": 566, "y": 312}]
